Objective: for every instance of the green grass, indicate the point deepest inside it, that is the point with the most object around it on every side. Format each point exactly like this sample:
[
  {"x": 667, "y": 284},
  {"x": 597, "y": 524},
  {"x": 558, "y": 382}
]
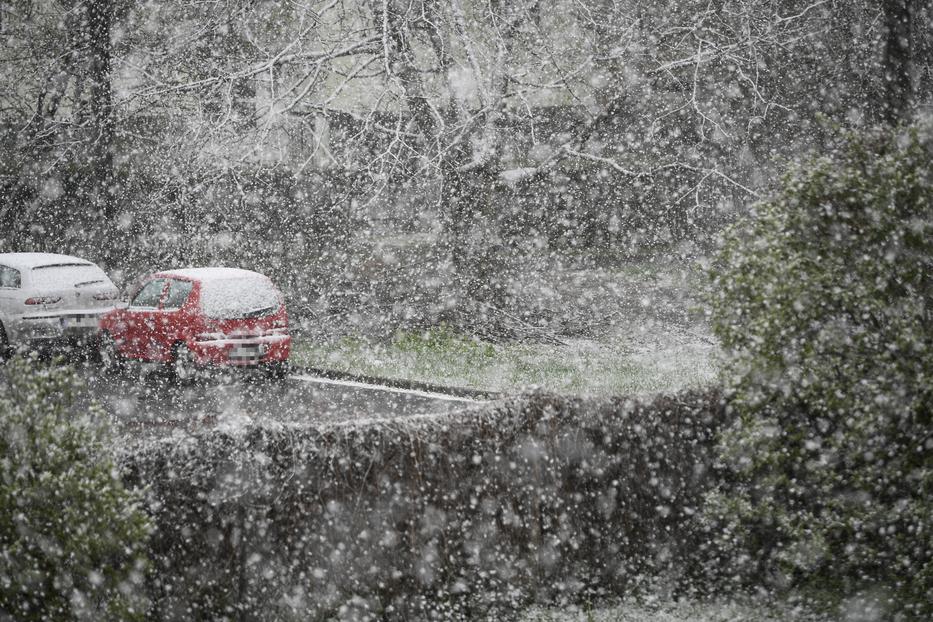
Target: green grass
[{"x": 581, "y": 367}]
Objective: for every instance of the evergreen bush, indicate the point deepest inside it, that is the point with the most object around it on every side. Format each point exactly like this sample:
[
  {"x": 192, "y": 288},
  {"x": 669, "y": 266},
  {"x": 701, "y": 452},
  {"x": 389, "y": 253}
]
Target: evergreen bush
[{"x": 823, "y": 300}]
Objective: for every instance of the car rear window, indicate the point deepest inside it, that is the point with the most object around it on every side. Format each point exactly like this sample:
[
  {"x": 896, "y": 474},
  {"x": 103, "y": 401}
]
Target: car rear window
[
  {"x": 238, "y": 298},
  {"x": 9, "y": 277},
  {"x": 68, "y": 275}
]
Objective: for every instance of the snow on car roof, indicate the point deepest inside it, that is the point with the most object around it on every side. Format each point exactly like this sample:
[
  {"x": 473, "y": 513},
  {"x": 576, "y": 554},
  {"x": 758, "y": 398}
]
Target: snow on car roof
[
  {"x": 212, "y": 274},
  {"x": 26, "y": 261}
]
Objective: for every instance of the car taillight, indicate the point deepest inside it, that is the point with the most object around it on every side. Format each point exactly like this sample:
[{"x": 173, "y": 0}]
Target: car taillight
[
  {"x": 105, "y": 296},
  {"x": 43, "y": 300}
]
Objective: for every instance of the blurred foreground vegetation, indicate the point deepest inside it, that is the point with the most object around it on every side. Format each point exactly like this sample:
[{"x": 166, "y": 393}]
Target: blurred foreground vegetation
[{"x": 72, "y": 537}]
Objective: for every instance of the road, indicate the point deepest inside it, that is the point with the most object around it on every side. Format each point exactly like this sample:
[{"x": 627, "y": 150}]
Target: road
[{"x": 150, "y": 403}]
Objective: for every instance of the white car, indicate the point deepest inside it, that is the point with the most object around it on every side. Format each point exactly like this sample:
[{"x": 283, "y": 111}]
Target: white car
[{"x": 47, "y": 298}]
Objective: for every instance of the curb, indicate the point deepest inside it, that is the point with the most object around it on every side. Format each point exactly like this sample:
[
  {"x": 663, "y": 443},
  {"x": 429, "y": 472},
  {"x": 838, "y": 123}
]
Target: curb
[{"x": 397, "y": 383}]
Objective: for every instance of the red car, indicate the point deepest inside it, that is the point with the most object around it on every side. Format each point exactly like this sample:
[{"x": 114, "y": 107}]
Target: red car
[{"x": 200, "y": 317}]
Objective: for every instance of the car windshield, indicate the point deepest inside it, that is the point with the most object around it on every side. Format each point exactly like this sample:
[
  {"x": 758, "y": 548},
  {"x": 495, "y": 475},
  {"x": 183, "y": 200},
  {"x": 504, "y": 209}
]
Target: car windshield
[
  {"x": 68, "y": 275},
  {"x": 239, "y": 298}
]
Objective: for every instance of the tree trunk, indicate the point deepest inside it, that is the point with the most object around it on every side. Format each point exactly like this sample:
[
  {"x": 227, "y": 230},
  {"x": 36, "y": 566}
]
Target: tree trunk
[
  {"x": 896, "y": 61},
  {"x": 101, "y": 188}
]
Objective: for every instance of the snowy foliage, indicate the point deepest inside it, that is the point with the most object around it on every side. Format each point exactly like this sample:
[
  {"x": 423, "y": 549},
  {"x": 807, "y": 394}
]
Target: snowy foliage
[
  {"x": 400, "y": 165},
  {"x": 71, "y": 536},
  {"x": 824, "y": 298},
  {"x": 295, "y": 138}
]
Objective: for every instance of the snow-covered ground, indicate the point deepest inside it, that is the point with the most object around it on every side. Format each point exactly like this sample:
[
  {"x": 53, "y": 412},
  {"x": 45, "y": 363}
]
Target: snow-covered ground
[
  {"x": 630, "y": 329},
  {"x": 635, "y": 360}
]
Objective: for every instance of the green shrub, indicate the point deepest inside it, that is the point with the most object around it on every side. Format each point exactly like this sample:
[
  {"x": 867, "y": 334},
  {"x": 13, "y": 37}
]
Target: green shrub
[
  {"x": 823, "y": 299},
  {"x": 71, "y": 536}
]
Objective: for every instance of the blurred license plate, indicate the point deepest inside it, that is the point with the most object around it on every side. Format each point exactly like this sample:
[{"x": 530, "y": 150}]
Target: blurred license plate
[
  {"x": 246, "y": 352},
  {"x": 80, "y": 321}
]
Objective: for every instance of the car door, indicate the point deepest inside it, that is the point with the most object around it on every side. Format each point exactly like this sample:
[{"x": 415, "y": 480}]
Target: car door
[
  {"x": 171, "y": 319},
  {"x": 140, "y": 318}
]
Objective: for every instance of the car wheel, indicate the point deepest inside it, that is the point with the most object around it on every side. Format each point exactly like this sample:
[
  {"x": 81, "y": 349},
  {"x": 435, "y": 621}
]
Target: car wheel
[
  {"x": 184, "y": 364},
  {"x": 5, "y": 350},
  {"x": 108, "y": 354},
  {"x": 276, "y": 371}
]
